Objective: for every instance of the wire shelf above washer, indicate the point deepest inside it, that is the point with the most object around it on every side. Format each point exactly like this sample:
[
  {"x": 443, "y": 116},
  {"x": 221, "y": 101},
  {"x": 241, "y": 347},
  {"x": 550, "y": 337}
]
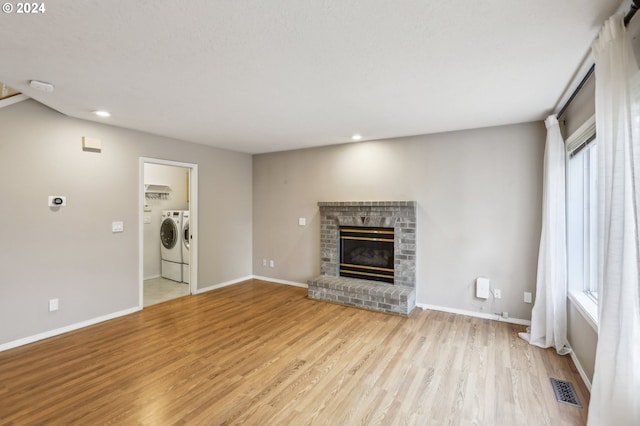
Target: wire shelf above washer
[{"x": 157, "y": 192}]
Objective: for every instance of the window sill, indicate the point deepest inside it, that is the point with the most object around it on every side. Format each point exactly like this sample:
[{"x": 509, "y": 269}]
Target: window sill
[{"x": 587, "y": 307}]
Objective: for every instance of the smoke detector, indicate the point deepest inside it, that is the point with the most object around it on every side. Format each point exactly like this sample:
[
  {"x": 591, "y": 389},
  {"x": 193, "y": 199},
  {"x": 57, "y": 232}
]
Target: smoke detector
[{"x": 42, "y": 86}]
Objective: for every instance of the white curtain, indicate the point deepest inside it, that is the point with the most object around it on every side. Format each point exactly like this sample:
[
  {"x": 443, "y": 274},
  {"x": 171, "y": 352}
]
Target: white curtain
[
  {"x": 615, "y": 395},
  {"x": 549, "y": 314}
]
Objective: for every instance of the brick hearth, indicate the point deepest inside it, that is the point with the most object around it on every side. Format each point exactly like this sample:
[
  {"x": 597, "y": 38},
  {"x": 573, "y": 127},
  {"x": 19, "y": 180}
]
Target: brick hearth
[{"x": 398, "y": 298}]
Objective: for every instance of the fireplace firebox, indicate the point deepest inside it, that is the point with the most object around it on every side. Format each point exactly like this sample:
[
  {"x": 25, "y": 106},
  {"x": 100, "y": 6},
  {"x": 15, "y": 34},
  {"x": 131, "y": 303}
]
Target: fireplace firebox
[{"x": 367, "y": 253}]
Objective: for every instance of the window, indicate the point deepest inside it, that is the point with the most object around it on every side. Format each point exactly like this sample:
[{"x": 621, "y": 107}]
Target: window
[
  {"x": 582, "y": 212},
  {"x": 582, "y": 217}
]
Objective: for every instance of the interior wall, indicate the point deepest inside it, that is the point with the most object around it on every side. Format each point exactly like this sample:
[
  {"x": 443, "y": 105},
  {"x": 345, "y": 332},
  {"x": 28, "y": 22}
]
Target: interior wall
[
  {"x": 582, "y": 338},
  {"x": 479, "y": 196},
  {"x": 176, "y": 179},
  {"x": 71, "y": 254}
]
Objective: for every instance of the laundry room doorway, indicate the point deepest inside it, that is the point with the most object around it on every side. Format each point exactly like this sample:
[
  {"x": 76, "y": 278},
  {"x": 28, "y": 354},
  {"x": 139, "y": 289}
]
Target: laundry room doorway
[{"x": 168, "y": 230}]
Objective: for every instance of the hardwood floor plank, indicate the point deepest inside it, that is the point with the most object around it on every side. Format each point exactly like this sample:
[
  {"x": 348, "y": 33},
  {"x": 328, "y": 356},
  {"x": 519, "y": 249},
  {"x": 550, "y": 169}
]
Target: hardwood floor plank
[{"x": 262, "y": 353}]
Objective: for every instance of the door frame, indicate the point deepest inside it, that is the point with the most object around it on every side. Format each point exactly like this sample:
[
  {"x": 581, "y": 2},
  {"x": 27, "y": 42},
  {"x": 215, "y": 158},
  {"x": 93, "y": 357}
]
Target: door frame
[{"x": 193, "y": 222}]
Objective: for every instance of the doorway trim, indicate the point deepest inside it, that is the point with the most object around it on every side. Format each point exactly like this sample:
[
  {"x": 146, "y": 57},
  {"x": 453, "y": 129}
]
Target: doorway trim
[{"x": 193, "y": 222}]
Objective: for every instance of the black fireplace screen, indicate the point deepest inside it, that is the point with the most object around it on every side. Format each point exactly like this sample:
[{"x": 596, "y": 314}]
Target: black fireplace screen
[{"x": 367, "y": 253}]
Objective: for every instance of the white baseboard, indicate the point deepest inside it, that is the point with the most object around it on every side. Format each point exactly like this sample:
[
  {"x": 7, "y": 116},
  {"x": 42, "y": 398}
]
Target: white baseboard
[
  {"x": 474, "y": 314},
  {"x": 277, "y": 281},
  {"x": 576, "y": 362},
  {"x": 66, "y": 329},
  {"x": 224, "y": 284}
]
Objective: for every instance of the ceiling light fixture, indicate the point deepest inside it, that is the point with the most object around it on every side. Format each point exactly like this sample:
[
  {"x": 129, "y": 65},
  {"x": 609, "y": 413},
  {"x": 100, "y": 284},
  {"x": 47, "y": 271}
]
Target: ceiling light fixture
[
  {"x": 356, "y": 137},
  {"x": 102, "y": 113}
]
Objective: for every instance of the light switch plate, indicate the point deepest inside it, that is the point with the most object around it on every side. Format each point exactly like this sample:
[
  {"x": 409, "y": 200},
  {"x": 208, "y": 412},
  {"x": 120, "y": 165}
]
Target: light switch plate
[
  {"x": 117, "y": 226},
  {"x": 302, "y": 221},
  {"x": 53, "y": 305}
]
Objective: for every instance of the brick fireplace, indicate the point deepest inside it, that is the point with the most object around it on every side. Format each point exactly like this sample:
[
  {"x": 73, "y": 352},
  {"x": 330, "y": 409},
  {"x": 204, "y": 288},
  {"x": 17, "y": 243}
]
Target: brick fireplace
[{"x": 364, "y": 289}]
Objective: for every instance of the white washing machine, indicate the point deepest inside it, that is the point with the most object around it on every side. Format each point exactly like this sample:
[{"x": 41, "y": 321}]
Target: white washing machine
[
  {"x": 186, "y": 239},
  {"x": 171, "y": 244}
]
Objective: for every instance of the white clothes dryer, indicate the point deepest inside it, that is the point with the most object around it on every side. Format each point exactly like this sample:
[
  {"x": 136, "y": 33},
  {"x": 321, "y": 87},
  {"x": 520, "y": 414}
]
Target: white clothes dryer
[
  {"x": 186, "y": 239},
  {"x": 171, "y": 244}
]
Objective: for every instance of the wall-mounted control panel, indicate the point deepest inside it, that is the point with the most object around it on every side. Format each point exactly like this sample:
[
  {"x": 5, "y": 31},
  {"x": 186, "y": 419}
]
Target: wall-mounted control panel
[
  {"x": 57, "y": 201},
  {"x": 482, "y": 287}
]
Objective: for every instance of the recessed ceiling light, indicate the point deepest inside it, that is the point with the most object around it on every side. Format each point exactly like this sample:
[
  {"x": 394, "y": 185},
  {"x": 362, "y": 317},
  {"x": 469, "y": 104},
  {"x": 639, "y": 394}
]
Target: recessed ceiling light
[
  {"x": 356, "y": 137},
  {"x": 102, "y": 113}
]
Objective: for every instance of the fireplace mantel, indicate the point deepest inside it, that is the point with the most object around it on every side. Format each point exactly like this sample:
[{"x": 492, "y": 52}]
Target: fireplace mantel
[
  {"x": 399, "y": 215},
  {"x": 367, "y": 204}
]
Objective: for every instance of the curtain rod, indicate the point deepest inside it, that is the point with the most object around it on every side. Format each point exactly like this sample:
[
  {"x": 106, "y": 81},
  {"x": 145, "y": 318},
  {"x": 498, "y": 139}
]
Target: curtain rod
[{"x": 635, "y": 5}]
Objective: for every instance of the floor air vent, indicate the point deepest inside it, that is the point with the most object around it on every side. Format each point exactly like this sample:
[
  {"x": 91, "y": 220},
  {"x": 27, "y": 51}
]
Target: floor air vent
[{"x": 565, "y": 392}]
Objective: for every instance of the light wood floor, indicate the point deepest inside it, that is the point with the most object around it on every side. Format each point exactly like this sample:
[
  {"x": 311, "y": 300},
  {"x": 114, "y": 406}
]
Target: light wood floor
[{"x": 263, "y": 354}]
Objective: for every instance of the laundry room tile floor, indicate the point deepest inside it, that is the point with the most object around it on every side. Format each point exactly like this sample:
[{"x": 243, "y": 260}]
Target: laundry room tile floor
[{"x": 160, "y": 289}]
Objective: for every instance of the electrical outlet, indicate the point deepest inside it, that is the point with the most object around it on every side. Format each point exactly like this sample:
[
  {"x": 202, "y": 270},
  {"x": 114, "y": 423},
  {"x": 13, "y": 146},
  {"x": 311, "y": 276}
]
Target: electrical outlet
[
  {"x": 505, "y": 315},
  {"x": 527, "y": 297},
  {"x": 264, "y": 262},
  {"x": 272, "y": 264},
  {"x": 497, "y": 293}
]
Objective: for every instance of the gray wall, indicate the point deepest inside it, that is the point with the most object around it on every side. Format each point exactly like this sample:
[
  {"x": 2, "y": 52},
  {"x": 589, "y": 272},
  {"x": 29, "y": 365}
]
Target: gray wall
[
  {"x": 582, "y": 338},
  {"x": 71, "y": 254},
  {"x": 479, "y": 197}
]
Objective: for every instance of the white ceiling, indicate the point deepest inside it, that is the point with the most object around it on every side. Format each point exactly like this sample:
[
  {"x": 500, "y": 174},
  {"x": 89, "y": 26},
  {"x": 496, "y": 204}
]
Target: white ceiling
[{"x": 259, "y": 76}]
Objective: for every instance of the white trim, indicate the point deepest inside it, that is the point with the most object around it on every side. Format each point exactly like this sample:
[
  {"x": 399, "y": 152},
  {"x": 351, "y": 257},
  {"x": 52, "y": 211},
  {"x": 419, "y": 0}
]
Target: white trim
[
  {"x": 277, "y": 281},
  {"x": 13, "y": 100},
  {"x": 224, "y": 284},
  {"x": 193, "y": 222},
  {"x": 583, "y": 375},
  {"x": 65, "y": 329},
  {"x": 193, "y": 228},
  {"x": 581, "y": 135},
  {"x": 586, "y": 306},
  {"x": 474, "y": 314}
]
